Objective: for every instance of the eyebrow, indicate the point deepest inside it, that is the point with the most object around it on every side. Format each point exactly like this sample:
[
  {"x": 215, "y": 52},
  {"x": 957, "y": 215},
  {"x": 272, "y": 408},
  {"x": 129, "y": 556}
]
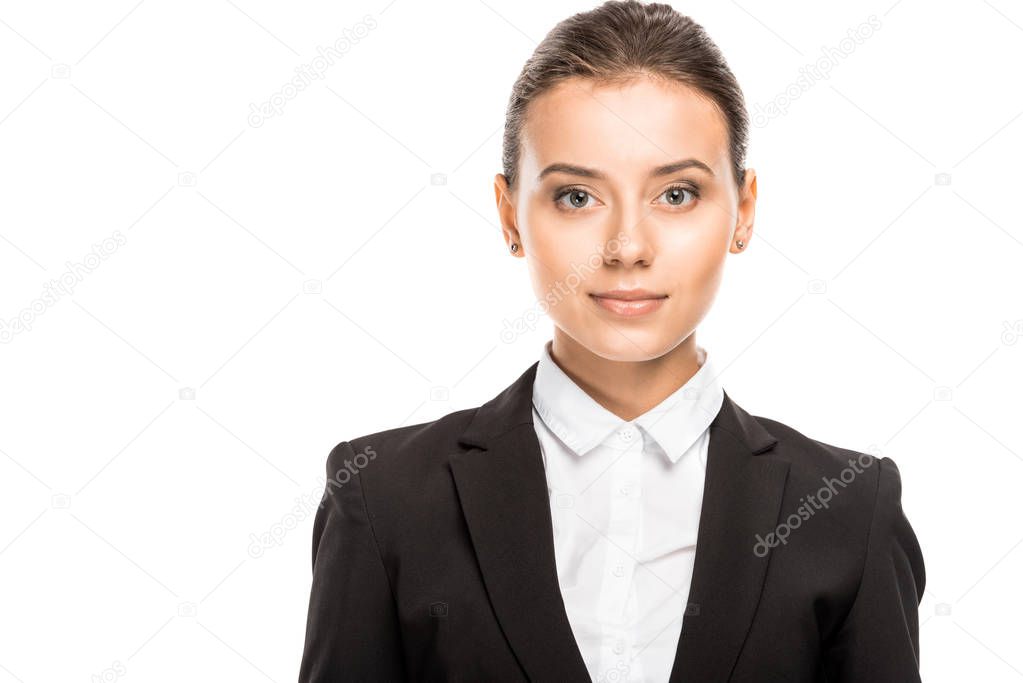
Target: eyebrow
[{"x": 666, "y": 169}]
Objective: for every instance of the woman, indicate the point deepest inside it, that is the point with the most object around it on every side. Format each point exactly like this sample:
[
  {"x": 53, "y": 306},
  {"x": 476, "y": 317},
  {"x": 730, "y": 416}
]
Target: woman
[{"x": 613, "y": 515}]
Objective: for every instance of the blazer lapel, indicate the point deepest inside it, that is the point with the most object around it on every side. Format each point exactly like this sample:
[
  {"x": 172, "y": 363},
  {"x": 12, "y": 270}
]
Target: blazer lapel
[
  {"x": 742, "y": 498},
  {"x": 502, "y": 487}
]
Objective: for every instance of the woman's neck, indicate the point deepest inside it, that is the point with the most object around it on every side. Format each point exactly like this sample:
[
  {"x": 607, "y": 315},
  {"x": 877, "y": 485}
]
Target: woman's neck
[{"x": 626, "y": 388}]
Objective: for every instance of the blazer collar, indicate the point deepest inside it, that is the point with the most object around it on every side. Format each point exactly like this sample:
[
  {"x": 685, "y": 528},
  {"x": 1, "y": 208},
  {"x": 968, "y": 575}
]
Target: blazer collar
[{"x": 502, "y": 488}]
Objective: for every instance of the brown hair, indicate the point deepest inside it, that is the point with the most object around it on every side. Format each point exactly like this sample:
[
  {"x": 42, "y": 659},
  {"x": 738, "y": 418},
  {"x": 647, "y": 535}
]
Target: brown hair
[{"x": 617, "y": 42}]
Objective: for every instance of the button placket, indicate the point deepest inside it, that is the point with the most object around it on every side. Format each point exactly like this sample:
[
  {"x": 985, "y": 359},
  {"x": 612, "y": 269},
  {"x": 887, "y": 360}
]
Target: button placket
[
  {"x": 615, "y": 649},
  {"x": 623, "y": 528}
]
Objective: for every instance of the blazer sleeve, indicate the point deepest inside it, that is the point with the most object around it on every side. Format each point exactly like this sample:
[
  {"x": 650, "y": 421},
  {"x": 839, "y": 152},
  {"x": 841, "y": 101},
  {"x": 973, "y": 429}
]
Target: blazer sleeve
[
  {"x": 352, "y": 631},
  {"x": 878, "y": 640}
]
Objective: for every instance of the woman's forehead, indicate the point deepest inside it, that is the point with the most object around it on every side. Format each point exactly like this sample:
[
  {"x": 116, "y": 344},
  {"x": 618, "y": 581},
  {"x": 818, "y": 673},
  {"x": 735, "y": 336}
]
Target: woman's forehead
[{"x": 635, "y": 124}]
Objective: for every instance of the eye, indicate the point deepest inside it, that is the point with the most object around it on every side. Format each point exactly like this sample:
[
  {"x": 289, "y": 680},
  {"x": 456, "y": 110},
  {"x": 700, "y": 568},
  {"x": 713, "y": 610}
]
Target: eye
[
  {"x": 680, "y": 195},
  {"x": 577, "y": 198}
]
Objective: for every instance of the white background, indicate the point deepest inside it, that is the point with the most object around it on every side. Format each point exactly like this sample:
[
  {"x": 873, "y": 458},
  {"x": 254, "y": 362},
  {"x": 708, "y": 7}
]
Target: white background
[{"x": 308, "y": 283}]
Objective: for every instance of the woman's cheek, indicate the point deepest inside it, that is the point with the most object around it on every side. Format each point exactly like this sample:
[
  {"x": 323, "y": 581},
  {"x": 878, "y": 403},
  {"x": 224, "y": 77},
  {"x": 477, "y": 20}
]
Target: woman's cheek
[{"x": 699, "y": 253}]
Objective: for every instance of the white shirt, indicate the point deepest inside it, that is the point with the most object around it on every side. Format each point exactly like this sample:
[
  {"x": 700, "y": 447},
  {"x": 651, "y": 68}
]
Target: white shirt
[{"x": 625, "y": 502}]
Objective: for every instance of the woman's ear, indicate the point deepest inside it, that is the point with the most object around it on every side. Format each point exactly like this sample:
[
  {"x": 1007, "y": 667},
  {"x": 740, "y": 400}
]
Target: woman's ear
[
  {"x": 506, "y": 213},
  {"x": 746, "y": 212}
]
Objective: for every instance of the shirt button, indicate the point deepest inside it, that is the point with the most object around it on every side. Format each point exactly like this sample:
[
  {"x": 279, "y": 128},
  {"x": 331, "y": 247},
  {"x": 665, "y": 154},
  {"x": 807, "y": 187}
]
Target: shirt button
[
  {"x": 619, "y": 571},
  {"x": 626, "y": 489},
  {"x": 627, "y": 434},
  {"x": 619, "y": 647}
]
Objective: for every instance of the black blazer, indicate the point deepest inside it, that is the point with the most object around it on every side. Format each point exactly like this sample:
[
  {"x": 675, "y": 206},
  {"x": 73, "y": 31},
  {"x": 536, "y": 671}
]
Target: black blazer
[{"x": 433, "y": 559}]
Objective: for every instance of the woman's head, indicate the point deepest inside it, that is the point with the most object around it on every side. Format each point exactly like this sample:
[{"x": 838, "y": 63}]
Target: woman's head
[{"x": 624, "y": 168}]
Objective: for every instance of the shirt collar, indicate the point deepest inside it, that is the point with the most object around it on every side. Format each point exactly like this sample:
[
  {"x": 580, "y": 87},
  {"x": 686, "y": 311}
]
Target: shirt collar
[{"x": 581, "y": 423}]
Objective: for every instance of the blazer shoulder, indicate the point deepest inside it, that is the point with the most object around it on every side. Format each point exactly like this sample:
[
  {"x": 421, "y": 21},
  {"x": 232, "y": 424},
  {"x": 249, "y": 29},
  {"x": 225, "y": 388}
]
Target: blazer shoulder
[
  {"x": 401, "y": 457},
  {"x": 855, "y": 477},
  {"x": 813, "y": 455},
  {"x": 861, "y": 491},
  {"x": 417, "y": 436}
]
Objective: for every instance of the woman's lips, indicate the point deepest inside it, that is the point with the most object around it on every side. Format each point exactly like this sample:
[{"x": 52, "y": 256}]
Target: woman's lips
[{"x": 629, "y": 308}]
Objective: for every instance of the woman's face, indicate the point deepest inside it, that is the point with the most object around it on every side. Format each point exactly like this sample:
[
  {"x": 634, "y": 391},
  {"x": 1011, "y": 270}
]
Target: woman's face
[{"x": 625, "y": 188}]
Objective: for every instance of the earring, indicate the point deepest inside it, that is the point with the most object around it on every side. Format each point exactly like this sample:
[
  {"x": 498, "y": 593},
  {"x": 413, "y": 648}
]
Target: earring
[
  {"x": 740, "y": 244},
  {"x": 514, "y": 247}
]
